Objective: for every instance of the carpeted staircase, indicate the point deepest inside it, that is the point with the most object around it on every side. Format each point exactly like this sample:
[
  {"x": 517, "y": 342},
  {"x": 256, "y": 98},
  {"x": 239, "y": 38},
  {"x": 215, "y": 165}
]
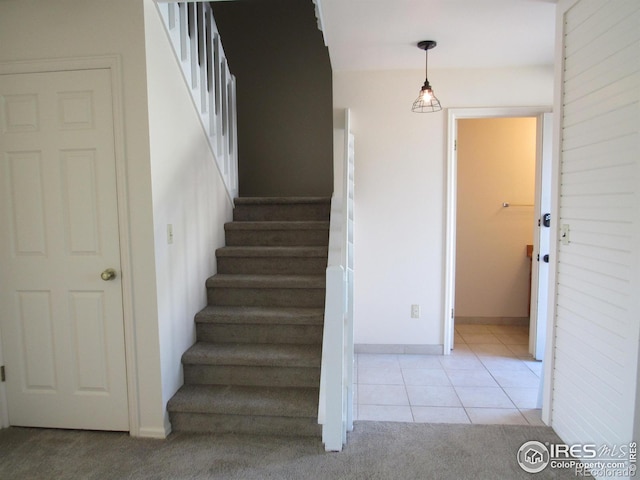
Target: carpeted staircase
[{"x": 255, "y": 367}]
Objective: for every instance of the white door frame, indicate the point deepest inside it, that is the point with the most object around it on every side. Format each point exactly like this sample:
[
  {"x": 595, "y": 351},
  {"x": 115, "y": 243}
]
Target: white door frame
[
  {"x": 540, "y": 270},
  {"x": 113, "y": 64},
  {"x": 455, "y": 114}
]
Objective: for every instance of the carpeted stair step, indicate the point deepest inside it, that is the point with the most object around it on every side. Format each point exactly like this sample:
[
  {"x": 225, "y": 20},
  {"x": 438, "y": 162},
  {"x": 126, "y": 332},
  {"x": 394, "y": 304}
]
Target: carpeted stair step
[
  {"x": 274, "y": 355},
  {"x": 300, "y": 233},
  {"x": 277, "y": 365},
  {"x": 237, "y": 324},
  {"x": 250, "y": 209},
  {"x": 256, "y": 365},
  {"x": 272, "y": 260},
  {"x": 238, "y": 400},
  {"x": 266, "y": 290},
  {"x": 252, "y": 410}
]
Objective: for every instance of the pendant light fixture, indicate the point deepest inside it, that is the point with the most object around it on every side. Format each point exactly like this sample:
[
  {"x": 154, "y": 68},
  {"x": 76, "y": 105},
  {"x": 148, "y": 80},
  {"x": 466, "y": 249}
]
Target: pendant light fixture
[{"x": 426, "y": 101}]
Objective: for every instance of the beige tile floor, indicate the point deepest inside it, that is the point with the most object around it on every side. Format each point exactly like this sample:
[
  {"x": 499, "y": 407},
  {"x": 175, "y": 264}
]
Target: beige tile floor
[{"x": 489, "y": 378}]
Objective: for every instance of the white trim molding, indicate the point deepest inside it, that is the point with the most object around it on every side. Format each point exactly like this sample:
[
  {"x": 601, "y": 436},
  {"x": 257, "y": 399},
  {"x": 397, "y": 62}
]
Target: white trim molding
[{"x": 453, "y": 115}]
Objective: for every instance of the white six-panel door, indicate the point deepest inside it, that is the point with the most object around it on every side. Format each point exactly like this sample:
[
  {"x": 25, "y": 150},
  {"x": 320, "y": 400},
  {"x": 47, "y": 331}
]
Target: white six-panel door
[{"x": 61, "y": 323}]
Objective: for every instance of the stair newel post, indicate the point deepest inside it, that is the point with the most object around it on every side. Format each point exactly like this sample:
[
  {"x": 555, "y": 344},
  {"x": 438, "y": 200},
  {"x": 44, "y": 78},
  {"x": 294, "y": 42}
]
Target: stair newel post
[{"x": 333, "y": 366}]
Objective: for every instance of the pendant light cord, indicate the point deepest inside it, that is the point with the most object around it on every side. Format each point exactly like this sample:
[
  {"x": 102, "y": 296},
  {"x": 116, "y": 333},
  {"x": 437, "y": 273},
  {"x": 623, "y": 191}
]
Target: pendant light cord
[{"x": 426, "y": 64}]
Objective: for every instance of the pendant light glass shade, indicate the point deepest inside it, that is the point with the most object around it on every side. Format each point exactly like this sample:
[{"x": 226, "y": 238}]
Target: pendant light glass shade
[{"x": 426, "y": 101}]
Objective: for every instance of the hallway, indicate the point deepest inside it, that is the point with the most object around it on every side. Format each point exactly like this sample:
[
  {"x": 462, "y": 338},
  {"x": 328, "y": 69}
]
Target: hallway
[{"x": 489, "y": 378}]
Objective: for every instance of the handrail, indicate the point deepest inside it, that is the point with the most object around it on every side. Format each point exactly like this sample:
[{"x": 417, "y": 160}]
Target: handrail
[
  {"x": 194, "y": 35},
  {"x": 335, "y": 410}
]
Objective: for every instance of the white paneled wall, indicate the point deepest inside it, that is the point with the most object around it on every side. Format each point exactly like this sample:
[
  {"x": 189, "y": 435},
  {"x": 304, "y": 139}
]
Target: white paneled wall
[{"x": 597, "y": 319}]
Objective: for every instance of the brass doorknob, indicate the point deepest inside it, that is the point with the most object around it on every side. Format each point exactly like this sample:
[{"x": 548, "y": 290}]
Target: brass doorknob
[{"x": 108, "y": 274}]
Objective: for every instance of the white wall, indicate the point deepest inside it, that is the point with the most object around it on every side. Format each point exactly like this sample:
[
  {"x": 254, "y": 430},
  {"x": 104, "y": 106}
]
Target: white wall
[
  {"x": 188, "y": 193},
  {"x": 400, "y": 188},
  {"x": 496, "y": 164}
]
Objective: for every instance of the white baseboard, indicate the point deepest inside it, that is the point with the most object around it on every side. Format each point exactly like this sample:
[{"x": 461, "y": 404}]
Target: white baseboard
[
  {"x": 399, "y": 349},
  {"x": 159, "y": 433},
  {"x": 517, "y": 321},
  {"x": 4, "y": 413}
]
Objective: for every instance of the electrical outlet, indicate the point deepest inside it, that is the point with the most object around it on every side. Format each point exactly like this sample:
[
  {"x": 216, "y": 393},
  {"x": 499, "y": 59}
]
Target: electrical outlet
[{"x": 415, "y": 311}]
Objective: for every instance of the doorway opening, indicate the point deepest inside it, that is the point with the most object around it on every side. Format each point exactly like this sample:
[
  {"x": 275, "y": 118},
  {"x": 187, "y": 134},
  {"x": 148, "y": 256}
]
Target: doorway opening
[
  {"x": 496, "y": 160},
  {"x": 542, "y": 186},
  {"x": 506, "y": 326}
]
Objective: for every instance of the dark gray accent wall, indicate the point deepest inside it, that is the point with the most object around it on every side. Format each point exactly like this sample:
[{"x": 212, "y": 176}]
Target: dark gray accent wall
[{"x": 284, "y": 96}]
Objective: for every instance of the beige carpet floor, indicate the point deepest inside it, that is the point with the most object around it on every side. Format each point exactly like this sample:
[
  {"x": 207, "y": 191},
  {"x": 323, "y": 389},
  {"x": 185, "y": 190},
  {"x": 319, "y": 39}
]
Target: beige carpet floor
[{"x": 375, "y": 450}]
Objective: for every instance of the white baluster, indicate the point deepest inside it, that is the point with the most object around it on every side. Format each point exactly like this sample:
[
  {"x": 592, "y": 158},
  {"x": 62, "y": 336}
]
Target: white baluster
[
  {"x": 182, "y": 7},
  {"x": 194, "y": 35},
  {"x": 171, "y": 15}
]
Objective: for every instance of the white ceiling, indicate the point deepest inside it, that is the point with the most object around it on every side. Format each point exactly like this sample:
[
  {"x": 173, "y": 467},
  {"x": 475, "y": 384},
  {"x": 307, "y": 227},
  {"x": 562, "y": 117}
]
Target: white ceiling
[{"x": 382, "y": 34}]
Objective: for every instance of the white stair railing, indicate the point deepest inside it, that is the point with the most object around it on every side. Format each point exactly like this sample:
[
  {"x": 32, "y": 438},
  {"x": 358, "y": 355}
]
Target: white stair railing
[
  {"x": 194, "y": 35},
  {"x": 335, "y": 410}
]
